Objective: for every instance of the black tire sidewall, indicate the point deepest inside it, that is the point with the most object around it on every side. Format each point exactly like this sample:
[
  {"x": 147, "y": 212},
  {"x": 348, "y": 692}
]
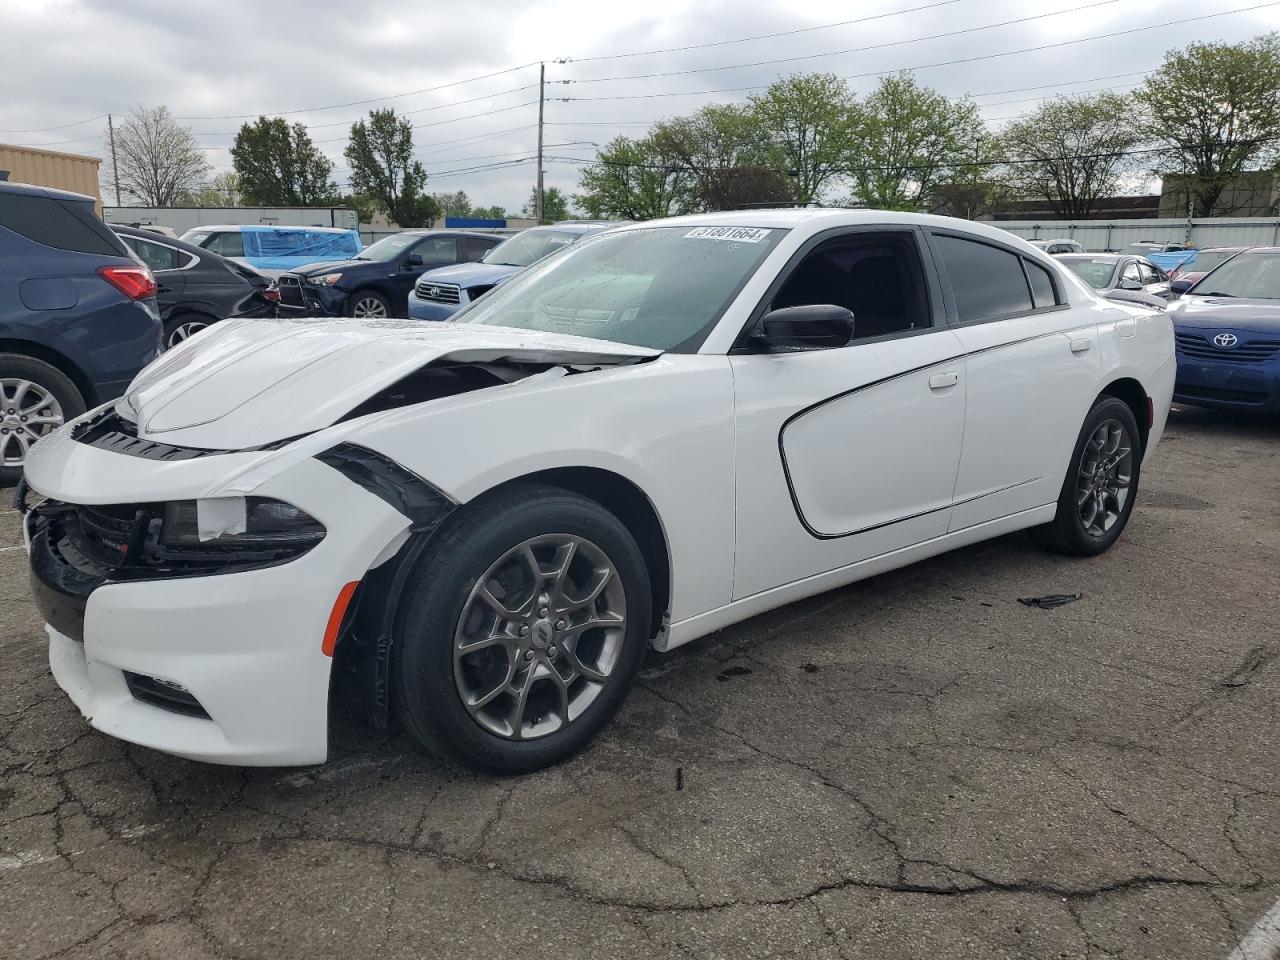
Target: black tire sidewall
[
  {"x": 1070, "y": 529},
  {"x": 49, "y": 377},
  {"x": 173, "y": 323},
  {"x": 427, "y": 697}
]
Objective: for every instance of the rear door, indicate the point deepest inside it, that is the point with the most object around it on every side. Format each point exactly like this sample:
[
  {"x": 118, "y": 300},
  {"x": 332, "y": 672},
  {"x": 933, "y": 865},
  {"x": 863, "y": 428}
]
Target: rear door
[{"x": 1032, "y": 372}]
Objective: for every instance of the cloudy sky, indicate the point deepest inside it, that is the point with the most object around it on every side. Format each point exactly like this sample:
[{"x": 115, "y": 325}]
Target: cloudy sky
[{"x": 66, "y": 63}]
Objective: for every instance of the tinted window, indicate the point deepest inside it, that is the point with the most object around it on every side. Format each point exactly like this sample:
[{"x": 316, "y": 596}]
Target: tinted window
[
  {"x": 229, "y": 244},
  {"x": 64, "y": 224},
  {"x": 987, "y": 281},
  {"x": 473, "y": 248},
  {"x": 438, "y": 250},
  {"x": 154, "y": 255},
  {"x": 1041, "y": 285}
]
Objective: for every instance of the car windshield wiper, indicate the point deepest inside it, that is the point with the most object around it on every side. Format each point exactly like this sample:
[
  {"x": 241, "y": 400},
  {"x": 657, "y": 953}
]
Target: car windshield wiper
[{"x": 1217, "y": 293}]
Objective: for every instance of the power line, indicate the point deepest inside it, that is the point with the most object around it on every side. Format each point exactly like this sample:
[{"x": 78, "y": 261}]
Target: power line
[
  {"x": 439, "y": 106},
  {"x": 834, "y": 53},
  {"x": 759, "y": 36},
  {"x": 61, "y": 126}
]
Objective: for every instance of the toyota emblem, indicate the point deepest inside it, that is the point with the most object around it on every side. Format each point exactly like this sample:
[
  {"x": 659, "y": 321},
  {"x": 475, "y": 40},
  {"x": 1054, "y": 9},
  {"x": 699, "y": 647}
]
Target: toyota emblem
[
  {"x": 435, "y": 292},
  {"x": 1226, "y": 339}
]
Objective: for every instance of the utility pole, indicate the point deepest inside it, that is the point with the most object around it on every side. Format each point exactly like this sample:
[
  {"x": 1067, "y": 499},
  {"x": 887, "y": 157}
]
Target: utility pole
[
  {"x": 542, "y": 87},
  {"x": 115, "y": 167}
]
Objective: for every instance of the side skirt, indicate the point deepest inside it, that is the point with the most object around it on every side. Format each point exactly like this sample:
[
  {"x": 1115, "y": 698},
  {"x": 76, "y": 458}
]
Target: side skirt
[{"x": 694, "y": 627}]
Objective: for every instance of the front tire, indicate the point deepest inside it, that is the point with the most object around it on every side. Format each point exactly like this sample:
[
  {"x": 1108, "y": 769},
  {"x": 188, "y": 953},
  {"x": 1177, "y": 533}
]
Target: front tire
[
  {"x": 521, "y": 630},
  {"x": 368, "y": 305},
  {"x": 1101, "y": 485},
  {"x": 35, "y": 399}
]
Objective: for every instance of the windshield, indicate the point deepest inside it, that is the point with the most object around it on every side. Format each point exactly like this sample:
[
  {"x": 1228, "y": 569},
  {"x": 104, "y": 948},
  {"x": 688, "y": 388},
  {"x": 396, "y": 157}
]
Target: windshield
[
  {"x": 1206, "y": 260},
  {"x": 1096, "y": 273},
  {"x": 388, "y": 248},
  {"x": 530, "y": 247},
  {"x": 1252, "y": 275},
  {"x": 660, "y": 287}
]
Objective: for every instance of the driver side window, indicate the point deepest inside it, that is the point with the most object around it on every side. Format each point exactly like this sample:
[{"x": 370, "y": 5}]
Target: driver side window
[{"x": 877, "y": 276}]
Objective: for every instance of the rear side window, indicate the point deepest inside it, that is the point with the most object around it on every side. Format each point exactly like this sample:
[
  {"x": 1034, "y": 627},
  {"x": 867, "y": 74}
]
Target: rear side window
[
  {"x": 1041, "y": 285},
  {"x": 988, "y": 282},
  {"x": 229, "y": 244},
  {"x": 63, "y": 224},
  {"x": 473, "y": 248},
  {"x": 157, "y": 256}
]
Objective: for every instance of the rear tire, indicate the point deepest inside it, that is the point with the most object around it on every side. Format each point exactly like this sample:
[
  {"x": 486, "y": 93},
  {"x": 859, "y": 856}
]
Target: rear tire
[
  {"x": 37, "y": 398},
  {"x": 521, "y": 630},
  {"x": 1101, "y": 485},
  {"x": 179, "y": 328}
]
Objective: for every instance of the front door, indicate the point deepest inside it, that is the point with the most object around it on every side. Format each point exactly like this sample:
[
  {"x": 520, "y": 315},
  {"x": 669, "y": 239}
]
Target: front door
[
  {"x": 433, "y": 252},
  {"x": 850, "y": 452}
]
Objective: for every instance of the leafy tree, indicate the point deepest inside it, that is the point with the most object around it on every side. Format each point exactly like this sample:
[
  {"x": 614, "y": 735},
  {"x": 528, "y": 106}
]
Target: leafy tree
[
  {"x": 634, "y": 180},
  {"x": 1215, "y": 109},
  {"x": 159, "y": 163},
  {"x": 906, "y": 140},
  {"x": 716, "y": 139},
  {"x": 977, "y": 183},
  {"x": 738, "y": 188},
  {"x": 279, "y": 166},
  {"x": 380, "y": 153},
  {"x": 222, "y": 191},
  {"x": 809, "y": 121},
  {"x": 489, "y": 213},
  {"x": 454, "y": 204},
  {"x": 555, "y": 205},
  {"x": 1072, "y": 151},
  {"x": 366, "y": 208}
]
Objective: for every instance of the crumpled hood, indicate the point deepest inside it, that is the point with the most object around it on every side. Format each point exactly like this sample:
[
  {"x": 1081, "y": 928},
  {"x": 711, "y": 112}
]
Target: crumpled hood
[
  {"x": 471, "y": 274},
  {"x": 246, "y": 383}
]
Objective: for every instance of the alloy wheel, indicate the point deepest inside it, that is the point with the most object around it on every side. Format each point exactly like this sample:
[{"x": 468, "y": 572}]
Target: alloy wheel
[
  {"x": 369, "y": 308},
  {"x": 1104, "y": 477},
  {"x": 184, "y": 330},
  {"x": 539, "y": 635},
  {"x": 28, "y": 411}
]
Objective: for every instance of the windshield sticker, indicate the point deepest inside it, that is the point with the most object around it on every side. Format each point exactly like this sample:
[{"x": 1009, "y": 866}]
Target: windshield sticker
[
  {"x": 735, "y": 234},
  {"x": 560, "y": 241}
]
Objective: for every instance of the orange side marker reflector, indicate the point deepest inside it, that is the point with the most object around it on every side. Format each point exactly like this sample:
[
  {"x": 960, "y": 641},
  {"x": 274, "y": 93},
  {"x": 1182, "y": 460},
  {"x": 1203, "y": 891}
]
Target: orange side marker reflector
[{"x": 334, "y": 625}]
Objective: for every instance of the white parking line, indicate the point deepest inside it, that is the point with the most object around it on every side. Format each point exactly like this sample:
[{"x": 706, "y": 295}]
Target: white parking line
[
  {"x": 8, "y": 549},
  {"x": 1263, "y": 941}
]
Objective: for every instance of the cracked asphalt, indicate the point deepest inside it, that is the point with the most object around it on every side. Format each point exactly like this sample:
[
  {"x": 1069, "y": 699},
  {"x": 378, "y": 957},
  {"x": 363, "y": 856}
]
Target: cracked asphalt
[{"x": 914, "y": 766}]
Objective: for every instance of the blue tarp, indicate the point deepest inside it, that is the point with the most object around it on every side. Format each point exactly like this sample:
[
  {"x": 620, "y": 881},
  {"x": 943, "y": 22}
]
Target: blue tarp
[
  {"x": 1172, "y": 260},
  {"x": 283, "y": 248}
]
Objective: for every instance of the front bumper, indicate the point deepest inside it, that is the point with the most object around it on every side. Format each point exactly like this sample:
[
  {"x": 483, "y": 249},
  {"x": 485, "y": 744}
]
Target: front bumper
[
  {"x": 301, "y": 299},
  {"x": 1229, "y": 384},
  {"x": 246, "y": 646},
  {"x": 430, "y": 310}
]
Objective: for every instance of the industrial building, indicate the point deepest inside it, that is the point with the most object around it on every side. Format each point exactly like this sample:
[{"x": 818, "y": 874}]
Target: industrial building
[{"x": 51, "y": 168}]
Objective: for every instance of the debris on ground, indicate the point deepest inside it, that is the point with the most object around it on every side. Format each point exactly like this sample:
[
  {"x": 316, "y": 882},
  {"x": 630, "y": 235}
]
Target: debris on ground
[{"x": 1051, "y": 600}]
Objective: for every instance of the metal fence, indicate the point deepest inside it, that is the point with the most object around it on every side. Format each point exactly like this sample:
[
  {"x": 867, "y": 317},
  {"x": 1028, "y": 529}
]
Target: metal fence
[{"x": 1095, "y": 235}]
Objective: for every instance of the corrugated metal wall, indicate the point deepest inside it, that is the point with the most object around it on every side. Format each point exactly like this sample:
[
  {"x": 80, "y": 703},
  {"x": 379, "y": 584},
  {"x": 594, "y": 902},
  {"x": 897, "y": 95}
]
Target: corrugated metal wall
[
  {"x": 1097, "y": 235},
  {"x": 47, "y": 168}
]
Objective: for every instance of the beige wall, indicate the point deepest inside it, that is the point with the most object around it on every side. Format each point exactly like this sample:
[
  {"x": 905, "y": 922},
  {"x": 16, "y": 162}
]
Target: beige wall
[{"x": 47, "y": 168}]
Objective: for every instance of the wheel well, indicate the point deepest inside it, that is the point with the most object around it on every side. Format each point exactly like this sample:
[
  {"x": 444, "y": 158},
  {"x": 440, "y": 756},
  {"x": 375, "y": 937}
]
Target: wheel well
[
  {"x": 1131, "y": 392},
  {"x": 57, "y": 360},
  {"x": 629, "y": 504}
]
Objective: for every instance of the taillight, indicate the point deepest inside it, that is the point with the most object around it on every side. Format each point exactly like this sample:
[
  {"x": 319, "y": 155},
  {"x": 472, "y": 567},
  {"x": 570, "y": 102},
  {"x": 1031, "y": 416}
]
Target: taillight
[
  {"x": 136, "y": 283},
  {"x": 272, "y": 293}
]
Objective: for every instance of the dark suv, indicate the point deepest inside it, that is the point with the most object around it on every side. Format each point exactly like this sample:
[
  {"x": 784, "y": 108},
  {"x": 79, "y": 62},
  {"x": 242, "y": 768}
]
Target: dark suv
[
  {"x": 376, "y": 282},
  {"x": 78, "y": 315}
]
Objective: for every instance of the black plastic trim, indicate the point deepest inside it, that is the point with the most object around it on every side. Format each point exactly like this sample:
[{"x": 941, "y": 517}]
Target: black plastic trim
[
  {"x": 403, "y": 489},
  {"x": 153, "y": 693}
]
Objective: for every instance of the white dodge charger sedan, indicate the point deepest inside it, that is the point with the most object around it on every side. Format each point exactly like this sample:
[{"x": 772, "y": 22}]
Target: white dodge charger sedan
[{"x": 479, "y": 526}]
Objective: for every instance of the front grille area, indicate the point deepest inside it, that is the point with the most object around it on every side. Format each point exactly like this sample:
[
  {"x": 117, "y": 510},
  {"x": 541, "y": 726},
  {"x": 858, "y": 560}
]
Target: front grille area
[
  {"x": 290, "y": 290},
  {"x": 438, "y": 292},
  {"x": 1197, "y": 392},
  {"x": 165, "y": 695},
  {"x": 1197, "y": 347}
]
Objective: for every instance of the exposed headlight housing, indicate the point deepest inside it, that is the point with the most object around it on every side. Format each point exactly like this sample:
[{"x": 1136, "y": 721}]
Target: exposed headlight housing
[
  {"x": 325, "y": 280},
  {"x": 268, "y": 524}
]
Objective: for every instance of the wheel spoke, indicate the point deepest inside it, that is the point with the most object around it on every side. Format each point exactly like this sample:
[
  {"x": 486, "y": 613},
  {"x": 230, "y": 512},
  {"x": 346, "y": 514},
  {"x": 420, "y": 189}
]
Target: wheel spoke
[
  {"x": 19, "y": 394},
  {"x": 522, "y": 703},
  {"x": 585, "y": 669}
]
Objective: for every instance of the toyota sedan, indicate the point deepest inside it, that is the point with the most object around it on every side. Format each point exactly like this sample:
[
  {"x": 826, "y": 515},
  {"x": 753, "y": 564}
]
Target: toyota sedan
[{"x": 480, "y": 526}]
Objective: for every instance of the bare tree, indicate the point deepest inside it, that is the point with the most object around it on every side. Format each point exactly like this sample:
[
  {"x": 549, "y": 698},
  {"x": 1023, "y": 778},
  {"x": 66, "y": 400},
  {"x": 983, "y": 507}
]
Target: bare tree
[{"x": 160, "y": 163}]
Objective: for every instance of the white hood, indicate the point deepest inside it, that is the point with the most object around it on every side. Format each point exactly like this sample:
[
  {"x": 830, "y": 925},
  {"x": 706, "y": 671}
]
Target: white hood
[{"x": 254, "y": 382}]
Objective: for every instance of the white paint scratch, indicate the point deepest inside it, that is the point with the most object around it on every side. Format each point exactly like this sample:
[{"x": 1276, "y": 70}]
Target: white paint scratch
[{"x": 1263, "y": 941}]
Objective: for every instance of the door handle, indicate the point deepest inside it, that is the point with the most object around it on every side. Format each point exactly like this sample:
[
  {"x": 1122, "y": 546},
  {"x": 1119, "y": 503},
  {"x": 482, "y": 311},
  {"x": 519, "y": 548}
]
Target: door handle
[
  {"x": 940, "y": 381},
  {"x": 1080, "y": 344}
]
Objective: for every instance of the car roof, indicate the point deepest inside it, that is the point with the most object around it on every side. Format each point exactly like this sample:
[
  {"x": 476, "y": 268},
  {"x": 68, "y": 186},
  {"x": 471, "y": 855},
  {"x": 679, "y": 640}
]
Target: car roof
[
  {"x": 445, "y": 232},
  {"x": 34, "y": 190},
  {"x": 1112, "y": 257},
  {"x": 214, "y": 227}
]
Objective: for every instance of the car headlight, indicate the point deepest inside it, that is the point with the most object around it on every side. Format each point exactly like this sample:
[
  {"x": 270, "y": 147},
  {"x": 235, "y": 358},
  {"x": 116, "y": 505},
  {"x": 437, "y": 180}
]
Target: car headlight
[
  {"x": 327, "y": 280},
  {"x": 268, "y": 524}
]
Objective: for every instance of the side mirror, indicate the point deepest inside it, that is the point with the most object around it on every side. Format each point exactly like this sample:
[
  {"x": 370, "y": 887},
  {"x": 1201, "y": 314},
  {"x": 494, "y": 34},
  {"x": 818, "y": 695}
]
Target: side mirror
[
  {"x": 413, "y": 260},
  {"x": 815, "y": 326},
  {"x": 1179, "y": 287},
  {"x": 1129, "y": 285}
]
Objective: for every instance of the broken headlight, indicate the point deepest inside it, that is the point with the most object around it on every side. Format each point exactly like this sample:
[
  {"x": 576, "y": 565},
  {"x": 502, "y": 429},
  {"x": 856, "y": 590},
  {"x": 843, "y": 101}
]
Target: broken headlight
[{"x": 264, "y": 523}]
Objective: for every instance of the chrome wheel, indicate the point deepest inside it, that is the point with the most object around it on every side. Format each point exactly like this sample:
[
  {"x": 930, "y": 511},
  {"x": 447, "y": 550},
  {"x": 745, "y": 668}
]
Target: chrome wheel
[
  {"x": 1105, "y": 477},
  {"x": 184, "y": 330},
  {"x": 539, "y": 636},
  {"x": 28, "y": 411},
  {"x": 369, "y": 308}
]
